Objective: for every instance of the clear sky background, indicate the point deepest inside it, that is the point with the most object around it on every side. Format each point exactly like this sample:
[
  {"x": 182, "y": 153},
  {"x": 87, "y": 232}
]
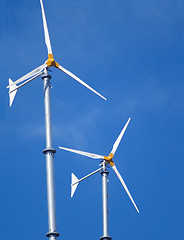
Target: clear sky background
[{"x": 131, "y": 52}]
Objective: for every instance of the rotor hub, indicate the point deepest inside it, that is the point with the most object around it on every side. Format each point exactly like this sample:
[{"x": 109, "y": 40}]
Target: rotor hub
[
  {"x": 51, "y": 62},
  {"x": 109, "y": 159}
]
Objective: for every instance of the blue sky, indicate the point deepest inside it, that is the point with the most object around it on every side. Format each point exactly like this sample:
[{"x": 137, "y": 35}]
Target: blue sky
[{"x": 132, "y": 53}]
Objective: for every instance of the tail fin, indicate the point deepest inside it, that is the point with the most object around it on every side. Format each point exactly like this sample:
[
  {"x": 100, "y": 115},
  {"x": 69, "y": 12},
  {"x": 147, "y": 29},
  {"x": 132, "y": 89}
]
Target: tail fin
[
  {"x": 12, "y": 91},
  {"x": 75, "y": 182}
]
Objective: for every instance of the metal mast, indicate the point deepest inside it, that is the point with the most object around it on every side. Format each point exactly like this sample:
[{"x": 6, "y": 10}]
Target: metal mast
[
  {"x": 49, "y": 154},
  {"x": 105, "y": 212}
]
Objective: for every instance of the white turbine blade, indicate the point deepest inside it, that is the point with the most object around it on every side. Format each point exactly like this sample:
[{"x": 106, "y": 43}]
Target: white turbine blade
[
  {"x": 91, "y": 155},
  {"x": 24, "y": 83},
  {"x": 46, "y": 32},
  {"x": 30, "y": 74},
  {"x": 75, "y": 182},
  {"x": 117, "y": 142},
  {"x": 124, "y": 185},
  {"x": 12, "y": 91},
  {"x": 80, "y": 81}
]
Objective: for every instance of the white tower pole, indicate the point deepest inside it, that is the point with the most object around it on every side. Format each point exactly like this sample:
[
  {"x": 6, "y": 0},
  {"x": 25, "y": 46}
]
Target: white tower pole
[
  {"x": 49, "y": 154},
  {"x": 104, "y": 174}
]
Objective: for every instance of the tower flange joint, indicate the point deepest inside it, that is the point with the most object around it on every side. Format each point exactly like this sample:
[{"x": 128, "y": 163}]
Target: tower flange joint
[
  {"x": 106, "y": 238},
  {"x": 49, "y": 150},
  {"x": 46, "y": 75},
  {"x": 55, "y": 234},
  {"x": 104, "y": 171}
]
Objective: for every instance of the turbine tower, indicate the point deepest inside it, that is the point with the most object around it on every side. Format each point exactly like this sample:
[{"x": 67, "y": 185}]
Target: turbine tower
[
  {"x": 106, "y": 160},
  {"x": 48, "y": 151}
]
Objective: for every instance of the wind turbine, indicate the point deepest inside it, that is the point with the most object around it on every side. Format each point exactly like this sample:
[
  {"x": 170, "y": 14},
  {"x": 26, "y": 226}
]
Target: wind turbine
[
  {"x": 106, "y": 160},
  {"x": 50, "y": 62},
  {"x": 48, "y": 151}
]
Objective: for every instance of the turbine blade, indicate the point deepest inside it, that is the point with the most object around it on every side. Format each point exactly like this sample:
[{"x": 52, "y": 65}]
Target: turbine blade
[
  {"x": 80, "y": 81},
  {"x": 46, "y": 32},
  {"x": 75, "y": 182},
  {"x": 30, "y": 74},
  {"x": 24, "y": 83},
  {"x": 117, "y": 142},
  {"x": 91, "y": 155},
  {"x": 124, "y": 185},
  {"x": 13, "y": 91}
]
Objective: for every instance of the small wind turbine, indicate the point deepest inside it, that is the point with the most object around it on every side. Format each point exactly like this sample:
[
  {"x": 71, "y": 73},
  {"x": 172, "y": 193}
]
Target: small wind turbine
[
  {"x": 49, "y": 151},
  {"x": 106, "y": 160},
  {"x": 50, "y": 62}
]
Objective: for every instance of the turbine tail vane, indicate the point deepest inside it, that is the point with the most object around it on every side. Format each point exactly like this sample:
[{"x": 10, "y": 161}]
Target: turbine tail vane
[
  {"x": 124, "y": 185},
  {"x": 75, "y": 182},
  {"x": 12, "y": 91},
  {"x": 117, "y": 142}
]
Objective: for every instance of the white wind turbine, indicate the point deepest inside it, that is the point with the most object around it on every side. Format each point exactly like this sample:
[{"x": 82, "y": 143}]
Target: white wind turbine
[
  {"x": 49, "y": 151},
  {"x": 50, "y": 62},
  {"x": 106, "y": 160}
]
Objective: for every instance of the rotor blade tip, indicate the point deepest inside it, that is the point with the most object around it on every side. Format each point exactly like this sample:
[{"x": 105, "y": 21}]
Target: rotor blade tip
[{"x": 137, "y": 209}]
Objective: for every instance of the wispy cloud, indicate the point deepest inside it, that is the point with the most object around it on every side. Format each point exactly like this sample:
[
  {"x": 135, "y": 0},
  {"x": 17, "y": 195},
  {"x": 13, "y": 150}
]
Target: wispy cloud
[{"x": 76, "y": 131}]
